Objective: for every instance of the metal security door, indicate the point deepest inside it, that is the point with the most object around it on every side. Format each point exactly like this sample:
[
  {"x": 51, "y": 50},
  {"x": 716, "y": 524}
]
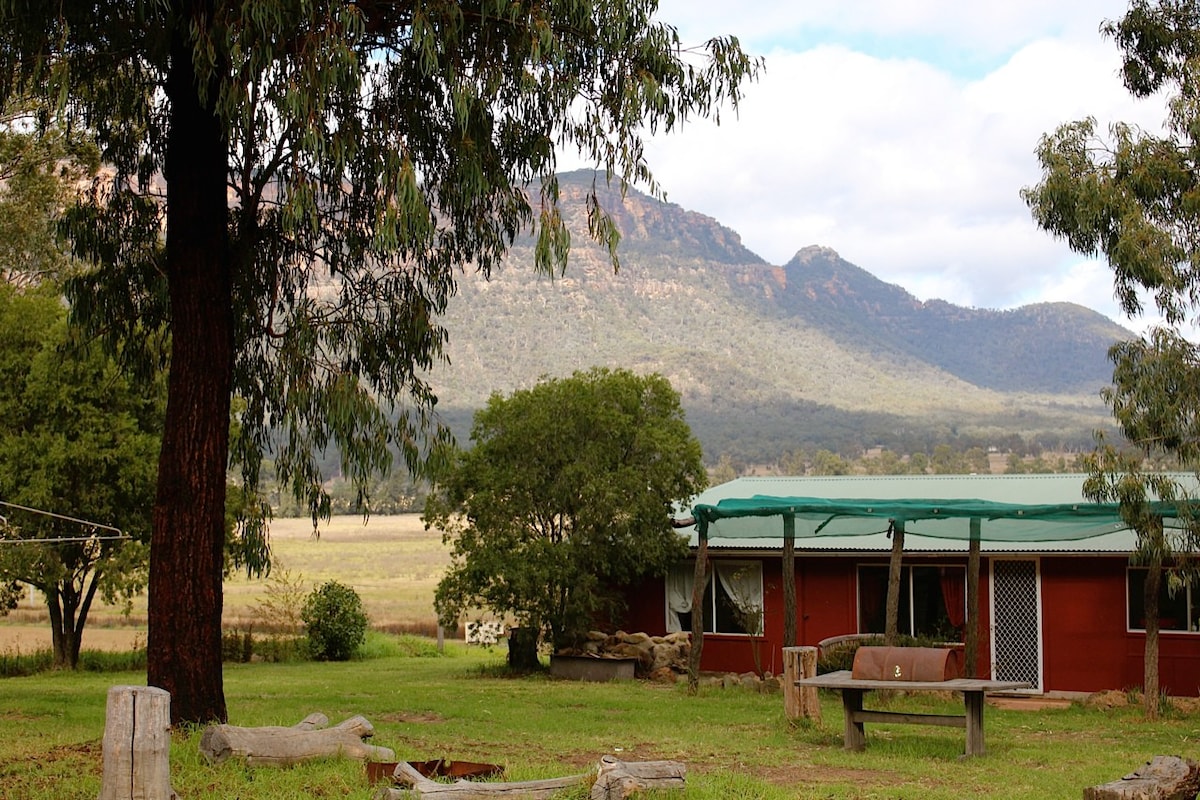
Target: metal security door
[{"x": 1016, "y": 622}]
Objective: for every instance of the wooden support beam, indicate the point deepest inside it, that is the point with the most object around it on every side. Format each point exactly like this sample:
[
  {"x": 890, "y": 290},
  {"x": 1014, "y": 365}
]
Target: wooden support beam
[
  {"x": 971, "y": 640},
  {"x": 789, "y": 580}
]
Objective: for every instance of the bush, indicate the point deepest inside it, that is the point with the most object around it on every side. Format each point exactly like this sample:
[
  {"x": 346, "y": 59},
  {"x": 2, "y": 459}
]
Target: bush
[{"x": 336, "y": 622}]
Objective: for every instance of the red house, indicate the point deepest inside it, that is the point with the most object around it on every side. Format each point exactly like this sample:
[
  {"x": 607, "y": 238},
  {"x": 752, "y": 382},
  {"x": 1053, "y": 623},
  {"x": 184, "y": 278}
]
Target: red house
[{"x": 1060, "y": 604}]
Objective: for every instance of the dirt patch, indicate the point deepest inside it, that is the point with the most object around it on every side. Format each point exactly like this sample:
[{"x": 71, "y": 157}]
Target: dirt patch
[
  {"x": 794, "y": 775},
  {"x": 1028, "y": 703}
]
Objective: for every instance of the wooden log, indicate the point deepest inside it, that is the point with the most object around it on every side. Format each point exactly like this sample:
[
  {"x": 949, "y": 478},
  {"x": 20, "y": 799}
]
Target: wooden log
[
  {"x": 418, "y": 786},
  {"x": 800, "y": 701},
  {"x": 137, "y": 744},
  {"x": 1162, "y": 778},
  {"x": 617, "y": 780},
  {"x": 283, "y": 746}
]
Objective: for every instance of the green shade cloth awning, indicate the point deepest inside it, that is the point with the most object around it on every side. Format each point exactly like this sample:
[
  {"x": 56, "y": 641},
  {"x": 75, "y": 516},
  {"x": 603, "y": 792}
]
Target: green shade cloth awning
[{"x": 949, "y": 518}]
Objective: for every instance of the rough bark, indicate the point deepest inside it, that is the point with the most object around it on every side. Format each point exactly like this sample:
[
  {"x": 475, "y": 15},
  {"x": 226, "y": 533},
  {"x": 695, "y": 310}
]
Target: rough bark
[
  {"x": 282, "y": 746},
  {"x": 1162, "y": 778},
  {"x": 187, "y": 539}
]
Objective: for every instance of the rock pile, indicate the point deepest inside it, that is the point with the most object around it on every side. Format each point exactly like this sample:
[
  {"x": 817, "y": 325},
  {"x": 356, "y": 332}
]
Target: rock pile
[
  {"x": 663, "y": 658},
  {"x": 658, "y": 657}
]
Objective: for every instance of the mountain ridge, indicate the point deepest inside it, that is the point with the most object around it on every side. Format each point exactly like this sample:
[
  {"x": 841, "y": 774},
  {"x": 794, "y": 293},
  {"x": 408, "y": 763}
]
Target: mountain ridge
[{"x": 814, "y": 352}]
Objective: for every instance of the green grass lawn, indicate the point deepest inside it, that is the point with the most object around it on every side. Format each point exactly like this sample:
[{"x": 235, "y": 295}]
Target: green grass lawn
[{"x": 736, "y": 743}]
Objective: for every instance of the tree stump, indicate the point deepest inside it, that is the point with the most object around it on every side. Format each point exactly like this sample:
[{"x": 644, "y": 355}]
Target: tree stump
[
  {"x": 800, "y": 662},
  {"x": 1162, "y": 778},
  {"x": 617, "y": 780},
  {"x": 280, "y": 746},
  {"x": 137, "y": 744}
]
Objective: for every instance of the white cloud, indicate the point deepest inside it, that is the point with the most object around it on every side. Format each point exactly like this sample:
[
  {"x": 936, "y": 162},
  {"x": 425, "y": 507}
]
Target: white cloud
[{"x": 908, "y": 165}]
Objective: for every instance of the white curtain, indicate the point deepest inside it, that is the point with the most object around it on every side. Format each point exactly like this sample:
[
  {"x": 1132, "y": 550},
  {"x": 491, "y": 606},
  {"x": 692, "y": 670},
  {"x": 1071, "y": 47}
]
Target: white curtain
[
  {"x": 743, "y": 584},
  {"x": 679, "y": 595}
]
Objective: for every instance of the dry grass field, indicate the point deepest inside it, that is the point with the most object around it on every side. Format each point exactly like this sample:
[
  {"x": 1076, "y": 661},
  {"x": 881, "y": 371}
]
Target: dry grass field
[{"x": 391, "y": 561}]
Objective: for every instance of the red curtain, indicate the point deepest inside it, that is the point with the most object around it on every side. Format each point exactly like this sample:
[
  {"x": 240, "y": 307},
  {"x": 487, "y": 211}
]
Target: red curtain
[{"x": 954, "y": 582}]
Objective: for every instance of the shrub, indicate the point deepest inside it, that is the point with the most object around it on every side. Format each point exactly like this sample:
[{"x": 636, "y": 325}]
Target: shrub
[{"x": 336, "y": 622}]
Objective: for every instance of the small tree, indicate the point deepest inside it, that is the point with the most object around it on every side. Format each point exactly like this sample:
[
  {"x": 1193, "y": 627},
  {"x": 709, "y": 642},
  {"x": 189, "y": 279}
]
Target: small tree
[
  {"x": 336, "y": 622},
  {"x": 566, "y": 495}
]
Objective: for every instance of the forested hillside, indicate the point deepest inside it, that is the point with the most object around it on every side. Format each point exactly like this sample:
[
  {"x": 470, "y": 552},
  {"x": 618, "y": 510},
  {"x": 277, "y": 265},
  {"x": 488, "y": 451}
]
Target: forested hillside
[{"x": 816, "y": 353}]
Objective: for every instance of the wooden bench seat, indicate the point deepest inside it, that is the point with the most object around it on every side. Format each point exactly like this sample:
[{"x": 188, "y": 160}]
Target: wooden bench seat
[{"x": 853, "y": 689}]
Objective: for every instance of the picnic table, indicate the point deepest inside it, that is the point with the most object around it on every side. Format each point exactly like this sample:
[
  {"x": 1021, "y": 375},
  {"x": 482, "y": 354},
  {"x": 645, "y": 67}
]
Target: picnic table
[{"x": 853, "y": 689}]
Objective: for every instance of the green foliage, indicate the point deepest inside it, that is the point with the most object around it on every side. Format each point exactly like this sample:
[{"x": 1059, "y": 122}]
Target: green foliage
[
  {"x": 77, "y": 439},
  {"x": 335, "y": 621},
  {"x": 41, "y": 167},
  {"x": 330, "y": 167},
  {"x": 565, "y": 496}
]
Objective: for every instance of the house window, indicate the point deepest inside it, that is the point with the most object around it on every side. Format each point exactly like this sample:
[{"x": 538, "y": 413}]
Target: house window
[
  {"x": 1177, "y": 611},
  {"x": 733, "y": 597},
  {"x": 933, "y": 601}
]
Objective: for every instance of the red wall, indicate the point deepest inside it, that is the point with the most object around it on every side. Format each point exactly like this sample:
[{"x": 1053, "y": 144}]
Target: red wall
[{"x": 1085, "y": 645}]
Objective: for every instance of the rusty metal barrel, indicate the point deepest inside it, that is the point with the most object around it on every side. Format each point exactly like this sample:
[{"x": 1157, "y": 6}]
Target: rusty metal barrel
[{"x": 907, "y": 664}]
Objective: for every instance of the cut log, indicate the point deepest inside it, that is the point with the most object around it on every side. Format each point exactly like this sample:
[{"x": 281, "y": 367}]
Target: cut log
[
  {"x": 617, "y": 780},
  {"x": 419, "y": 786},
  {"x": 1162, "y": 778},
  {"x": 305, "y": 741},
  {"x": 137, "y": 744}
]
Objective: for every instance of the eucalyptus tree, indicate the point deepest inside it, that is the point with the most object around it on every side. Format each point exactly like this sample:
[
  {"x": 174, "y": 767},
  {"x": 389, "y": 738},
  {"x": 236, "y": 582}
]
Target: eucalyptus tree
[
  {"x": 1133, "y": 197},
  {"x": 292, "y": 188}
]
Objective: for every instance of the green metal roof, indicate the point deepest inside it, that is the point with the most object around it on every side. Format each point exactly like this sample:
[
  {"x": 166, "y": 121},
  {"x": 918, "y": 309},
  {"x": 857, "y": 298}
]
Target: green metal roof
[{"x": 1023, "y": 513}]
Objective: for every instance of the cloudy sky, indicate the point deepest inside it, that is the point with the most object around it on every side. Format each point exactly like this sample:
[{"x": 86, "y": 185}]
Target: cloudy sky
[{"x": 900, "y": 133}]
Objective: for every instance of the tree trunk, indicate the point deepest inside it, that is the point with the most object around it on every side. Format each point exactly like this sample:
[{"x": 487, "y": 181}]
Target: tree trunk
[
  {"x": 54, "y": 609},
  {"x": 1150, "y": 656},
  {"x": 522, "y": 650},
  {"x": 187, "y": 539},
  {"x": 892, "y": 625}
]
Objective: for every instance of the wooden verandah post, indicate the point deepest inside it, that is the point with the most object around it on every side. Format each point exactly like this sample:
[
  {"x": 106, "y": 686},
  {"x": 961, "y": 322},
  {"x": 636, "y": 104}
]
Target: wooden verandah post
[
  {"x": 789, "y": 580},
  {"x": 698, "y": 583},
  {"x": 892, "y": 624},
  {"x": 971, "y": 639}
]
